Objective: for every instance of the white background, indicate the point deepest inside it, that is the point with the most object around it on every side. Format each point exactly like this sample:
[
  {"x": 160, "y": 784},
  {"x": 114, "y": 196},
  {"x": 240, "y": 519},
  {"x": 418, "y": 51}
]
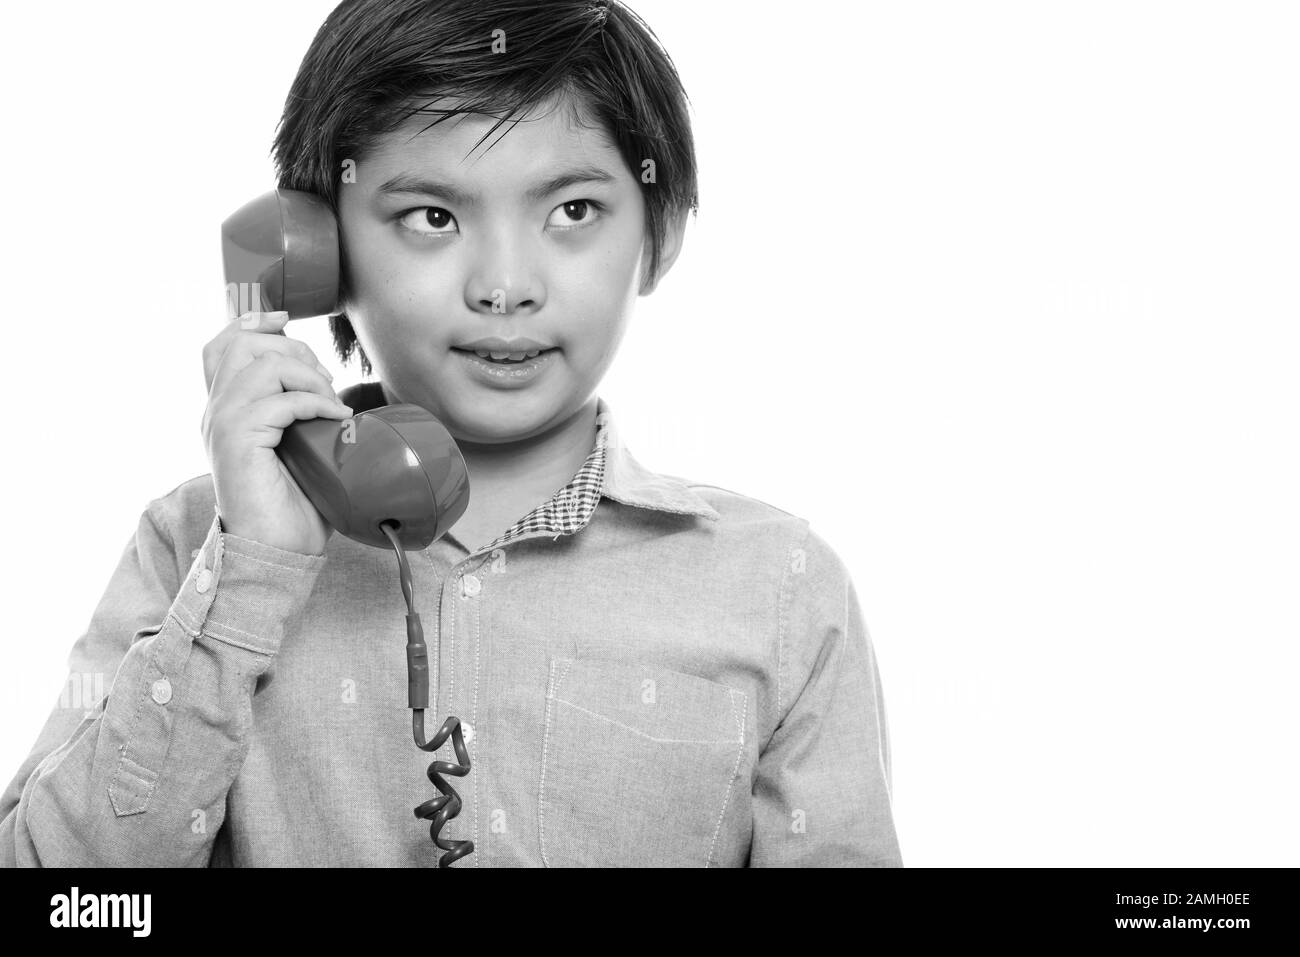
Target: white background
[{"x": 1002, "y": 297}]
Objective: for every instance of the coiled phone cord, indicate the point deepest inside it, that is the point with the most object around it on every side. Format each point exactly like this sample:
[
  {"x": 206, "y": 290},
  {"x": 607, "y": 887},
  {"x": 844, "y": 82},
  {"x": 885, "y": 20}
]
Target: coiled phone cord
[{"x": 441, "y": 809}]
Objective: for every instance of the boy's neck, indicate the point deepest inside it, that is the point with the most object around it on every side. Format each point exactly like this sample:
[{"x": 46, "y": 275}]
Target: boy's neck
[{"x": 542, "y": 464}]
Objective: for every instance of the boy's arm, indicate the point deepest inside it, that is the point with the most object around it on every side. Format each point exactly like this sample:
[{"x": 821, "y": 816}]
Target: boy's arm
[
  {"x": 140, "y": 777},
  {"x": 822, "y": 796}
]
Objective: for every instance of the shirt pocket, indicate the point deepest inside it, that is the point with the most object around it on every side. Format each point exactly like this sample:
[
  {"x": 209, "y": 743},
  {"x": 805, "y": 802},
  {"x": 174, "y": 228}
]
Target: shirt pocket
[{"x": 638, "y": 764}]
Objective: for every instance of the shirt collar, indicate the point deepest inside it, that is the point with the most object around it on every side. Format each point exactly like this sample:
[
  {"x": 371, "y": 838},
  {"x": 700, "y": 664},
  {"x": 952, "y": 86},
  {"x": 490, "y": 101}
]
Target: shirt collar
[{"x": 627, "y": 481}]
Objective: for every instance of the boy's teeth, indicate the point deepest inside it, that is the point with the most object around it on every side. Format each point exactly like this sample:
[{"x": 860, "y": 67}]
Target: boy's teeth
[{"x": 515, "y": 356}]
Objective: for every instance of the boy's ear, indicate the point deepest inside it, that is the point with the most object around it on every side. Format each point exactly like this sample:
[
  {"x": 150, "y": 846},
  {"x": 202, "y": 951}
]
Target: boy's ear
[{"x": 674, "y": 233}]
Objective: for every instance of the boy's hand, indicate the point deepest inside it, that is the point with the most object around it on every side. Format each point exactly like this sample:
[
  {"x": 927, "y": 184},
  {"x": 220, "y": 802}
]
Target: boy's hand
[{"x": 259, "y": 382}]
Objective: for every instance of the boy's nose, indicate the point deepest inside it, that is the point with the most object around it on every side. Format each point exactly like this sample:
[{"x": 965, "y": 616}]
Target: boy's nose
[
  {"x": 502, "y": 291},
  {"x": 505, "y": 278}
]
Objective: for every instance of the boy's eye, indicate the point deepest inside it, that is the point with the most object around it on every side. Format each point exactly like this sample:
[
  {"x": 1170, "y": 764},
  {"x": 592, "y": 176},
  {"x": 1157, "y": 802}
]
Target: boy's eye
[
  {"x": 575, "y": 213},
  {"x": 428, "y": 221}
]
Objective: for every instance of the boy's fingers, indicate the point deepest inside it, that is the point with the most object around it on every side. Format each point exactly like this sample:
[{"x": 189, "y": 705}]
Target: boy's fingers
[{"x": 267, "y": 323}]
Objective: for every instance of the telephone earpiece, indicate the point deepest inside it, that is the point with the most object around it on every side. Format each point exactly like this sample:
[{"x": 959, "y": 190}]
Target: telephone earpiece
[{"x": 281, "y": 253}]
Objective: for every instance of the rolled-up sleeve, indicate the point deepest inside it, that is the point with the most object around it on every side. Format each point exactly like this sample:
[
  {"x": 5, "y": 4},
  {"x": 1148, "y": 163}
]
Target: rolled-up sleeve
[
  {"x": 822, "y": 792},
  {"x": 139, "y": 775}
]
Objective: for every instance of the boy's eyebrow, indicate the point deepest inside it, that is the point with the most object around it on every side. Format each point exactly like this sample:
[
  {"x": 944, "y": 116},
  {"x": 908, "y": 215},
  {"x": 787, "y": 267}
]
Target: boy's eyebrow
[{"x": 410, "y": 183}]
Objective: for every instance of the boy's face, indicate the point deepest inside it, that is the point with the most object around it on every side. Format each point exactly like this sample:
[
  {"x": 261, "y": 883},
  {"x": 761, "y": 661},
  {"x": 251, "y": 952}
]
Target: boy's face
[{"x": 429, "y": 271}]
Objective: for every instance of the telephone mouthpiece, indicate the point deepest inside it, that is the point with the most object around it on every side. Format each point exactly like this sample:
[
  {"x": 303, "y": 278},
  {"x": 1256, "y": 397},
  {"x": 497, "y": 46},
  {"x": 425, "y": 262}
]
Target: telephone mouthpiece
[{"x": 395, "y": 464}]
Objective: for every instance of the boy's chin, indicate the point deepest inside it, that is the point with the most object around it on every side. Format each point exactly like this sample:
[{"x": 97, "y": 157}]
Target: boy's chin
[{"x": 505, "y": 420}]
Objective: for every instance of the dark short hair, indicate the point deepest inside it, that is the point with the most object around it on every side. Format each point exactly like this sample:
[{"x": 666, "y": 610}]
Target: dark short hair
[{"x": 375, "y": 63}]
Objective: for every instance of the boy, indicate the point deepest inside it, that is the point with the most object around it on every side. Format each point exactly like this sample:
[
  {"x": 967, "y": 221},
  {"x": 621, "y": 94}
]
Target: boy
[{"x": 648, "y": 671}]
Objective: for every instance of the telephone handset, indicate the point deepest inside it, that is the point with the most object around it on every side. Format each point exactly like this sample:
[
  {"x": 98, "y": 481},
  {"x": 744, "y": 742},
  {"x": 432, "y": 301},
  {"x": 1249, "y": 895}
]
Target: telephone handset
[
  {"x": 396, "y": 463},
  {"x": 391, "y": 477}
]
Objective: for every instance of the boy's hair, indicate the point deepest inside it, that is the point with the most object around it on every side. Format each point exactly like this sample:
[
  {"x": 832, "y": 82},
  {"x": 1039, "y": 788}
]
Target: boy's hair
[{"x": 374, "y": 63}]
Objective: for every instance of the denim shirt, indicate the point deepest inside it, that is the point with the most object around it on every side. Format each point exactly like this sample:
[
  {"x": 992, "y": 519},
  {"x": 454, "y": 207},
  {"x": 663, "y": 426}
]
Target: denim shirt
[{"x": 662, "y": 674}]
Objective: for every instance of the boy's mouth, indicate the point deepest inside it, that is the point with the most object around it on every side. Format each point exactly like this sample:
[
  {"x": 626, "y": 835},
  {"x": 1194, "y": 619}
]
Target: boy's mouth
[
  {"x": 505, "y": 357},
  {"x": 501, "y": 351},
  {"x": 506, "y": 373}
]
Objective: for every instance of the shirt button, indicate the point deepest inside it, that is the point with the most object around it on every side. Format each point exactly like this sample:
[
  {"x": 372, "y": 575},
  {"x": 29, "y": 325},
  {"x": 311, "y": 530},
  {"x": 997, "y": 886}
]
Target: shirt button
[
  {"x": 467, "y": 729},
  {"x": 161, "y": 691},
  {"x": 204, "y": 581},
  {"x": 470, "y": 585}
]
